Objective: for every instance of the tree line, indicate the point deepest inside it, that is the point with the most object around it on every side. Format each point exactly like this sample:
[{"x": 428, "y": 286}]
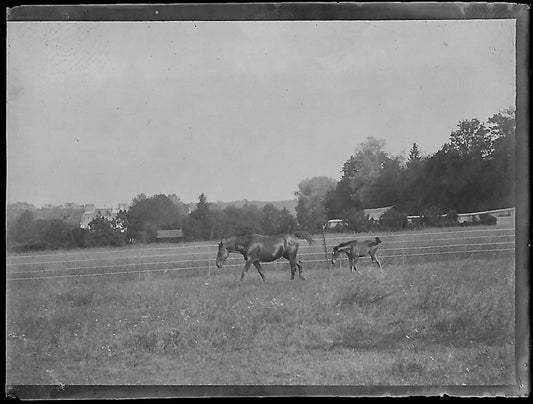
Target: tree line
[
  {"x": 140, "y": 223},
  {"x": 473, "y": 170}
]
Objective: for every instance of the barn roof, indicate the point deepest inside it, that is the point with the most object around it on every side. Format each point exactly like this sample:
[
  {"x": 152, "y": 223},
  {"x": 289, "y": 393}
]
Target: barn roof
[
  {"x": 485, "y": 212},
  {"x": 377, "y": 212},
  {"x": 332, "y": 223}
]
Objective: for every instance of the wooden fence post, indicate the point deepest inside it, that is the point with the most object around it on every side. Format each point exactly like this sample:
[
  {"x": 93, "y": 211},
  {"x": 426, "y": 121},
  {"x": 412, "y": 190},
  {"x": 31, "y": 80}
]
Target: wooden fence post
[
  {"x": 325, "y": 245},
  {"x": 464, "y": 242},
  {"x": 209, "y": 260},
  {"x": 140, "y": 263}
]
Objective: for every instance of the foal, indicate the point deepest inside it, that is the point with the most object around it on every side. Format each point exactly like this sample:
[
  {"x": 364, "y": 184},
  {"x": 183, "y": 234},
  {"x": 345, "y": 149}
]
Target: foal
[{"x": 355, "y": 249}]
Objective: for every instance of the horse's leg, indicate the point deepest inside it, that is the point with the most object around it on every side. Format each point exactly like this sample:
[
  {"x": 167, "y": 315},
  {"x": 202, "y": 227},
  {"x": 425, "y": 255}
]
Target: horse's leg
[
  {"x": 258, "y": 267},
  {"x": 291, "y": 257},
  {"x": 246, "y": 268},
  {"x": 293, "y": 265}
]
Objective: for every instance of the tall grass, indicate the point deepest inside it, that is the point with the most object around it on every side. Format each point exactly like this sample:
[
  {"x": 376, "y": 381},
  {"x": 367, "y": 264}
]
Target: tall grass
[{"x": 429, "y": 323}]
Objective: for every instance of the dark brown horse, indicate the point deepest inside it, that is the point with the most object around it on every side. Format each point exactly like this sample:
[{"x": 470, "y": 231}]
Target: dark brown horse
[
  {"x": 355, "y": 249},
  {"x": 256, "y": 248}
]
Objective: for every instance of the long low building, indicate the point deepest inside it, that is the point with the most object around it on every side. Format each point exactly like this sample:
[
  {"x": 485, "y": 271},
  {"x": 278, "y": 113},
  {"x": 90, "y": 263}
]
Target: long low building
[{"x": 503, "y": 216}]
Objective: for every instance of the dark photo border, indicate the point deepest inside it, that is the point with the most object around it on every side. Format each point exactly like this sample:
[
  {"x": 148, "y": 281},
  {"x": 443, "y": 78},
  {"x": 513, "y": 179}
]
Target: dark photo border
[{"x": 327, "y": 11}]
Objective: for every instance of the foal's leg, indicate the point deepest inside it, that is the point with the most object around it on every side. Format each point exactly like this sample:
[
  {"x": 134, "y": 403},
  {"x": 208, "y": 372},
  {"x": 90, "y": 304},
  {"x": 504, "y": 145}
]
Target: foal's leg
[
  {"x": 374, "y": 259},
  {"x": 355, "y": 259},
  {"x": 258, "y": 267},
  {"x": 350, "y": 262},
  {"x": 300, "y": 269}
]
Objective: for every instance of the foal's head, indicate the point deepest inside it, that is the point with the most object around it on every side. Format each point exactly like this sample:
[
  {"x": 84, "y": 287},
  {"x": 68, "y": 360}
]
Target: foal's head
[
  {"x": 222, "y": 254},
  {"x": 378, "y": 240},
  {"x": 335, "y": 254}
]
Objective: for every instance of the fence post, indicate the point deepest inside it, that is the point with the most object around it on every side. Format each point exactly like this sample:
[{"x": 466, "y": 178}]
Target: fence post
[
  {"x": 464, "y": 242},
  {"x": 140, "y": 263},
  {"x": 209, "y": 260},
  {"x": 325, "y": 245}
]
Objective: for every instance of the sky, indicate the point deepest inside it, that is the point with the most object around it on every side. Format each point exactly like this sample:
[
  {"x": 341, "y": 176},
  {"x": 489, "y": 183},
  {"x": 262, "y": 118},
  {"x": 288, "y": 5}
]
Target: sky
[{"x": 99, "y": 112}]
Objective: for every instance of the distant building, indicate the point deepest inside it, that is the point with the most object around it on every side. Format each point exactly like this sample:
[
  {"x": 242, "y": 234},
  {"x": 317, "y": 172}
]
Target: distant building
[
  {"x": 334, "y": 224},
  {"x": 414, "y": 219},
  {"x": 92, "y": 213},
  {"x": 375, "y": 214},
  {"x": 503, "y": 216}
]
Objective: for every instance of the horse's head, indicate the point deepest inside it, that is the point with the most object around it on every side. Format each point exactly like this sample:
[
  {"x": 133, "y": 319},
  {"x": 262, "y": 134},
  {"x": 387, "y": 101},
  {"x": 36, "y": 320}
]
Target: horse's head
[
  {"x": 378, "y": 240},
  {"x": 335, "y": 253},
  {"x": 222, "y": 254}
]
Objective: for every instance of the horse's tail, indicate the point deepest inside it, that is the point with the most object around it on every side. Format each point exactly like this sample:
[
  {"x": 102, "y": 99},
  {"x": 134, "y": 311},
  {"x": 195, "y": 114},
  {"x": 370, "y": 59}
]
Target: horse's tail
[{"x": 304, "y": 236}]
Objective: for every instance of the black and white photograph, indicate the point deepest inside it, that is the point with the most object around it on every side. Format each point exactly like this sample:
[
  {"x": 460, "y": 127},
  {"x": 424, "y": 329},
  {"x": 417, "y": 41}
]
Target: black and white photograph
[{"x": 266, "y": 200}]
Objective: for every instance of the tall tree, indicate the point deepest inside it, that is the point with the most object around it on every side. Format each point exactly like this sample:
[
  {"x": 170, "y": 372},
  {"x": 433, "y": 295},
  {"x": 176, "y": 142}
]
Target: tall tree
[
  {"x": 503, "y": 124},
  {"x": 22, "y": 231},
  {"x": 414, "y": 156},
  {"x": 14, "y": 210},
  {"x": 200, "y": 223},
  {"x": 310, "y": 211},
  {"x": 287, "y": 222},
  {"x": 502, "y": 127},
  {"x": 363, "y": 169},
  {"x": 412, "y": 182},
  {"x": 387, "y": 188},
  {"x": 471, "y": 139},
  {"x": 147, "y": 215},
  {"x": 270, "y": 219}
]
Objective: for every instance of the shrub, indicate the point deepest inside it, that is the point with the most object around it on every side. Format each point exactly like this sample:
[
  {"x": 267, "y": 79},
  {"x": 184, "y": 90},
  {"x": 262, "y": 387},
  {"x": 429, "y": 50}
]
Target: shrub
[
  {"x": 393, "y": 219},
  {"x": 487, "y": 219},
  {"x": 450, "y": 219},
  {"x": 101, "y": 233},
  {"x": 357, "y": 221},
  {"x": 431, "y": 216}
]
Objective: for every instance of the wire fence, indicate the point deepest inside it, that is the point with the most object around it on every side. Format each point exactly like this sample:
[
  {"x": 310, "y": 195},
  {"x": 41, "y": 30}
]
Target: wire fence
[{"x": 200, "y": 258}]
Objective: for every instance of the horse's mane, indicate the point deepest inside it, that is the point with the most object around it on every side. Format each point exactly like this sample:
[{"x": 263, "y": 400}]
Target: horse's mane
[{"x": 238, "y": 243}]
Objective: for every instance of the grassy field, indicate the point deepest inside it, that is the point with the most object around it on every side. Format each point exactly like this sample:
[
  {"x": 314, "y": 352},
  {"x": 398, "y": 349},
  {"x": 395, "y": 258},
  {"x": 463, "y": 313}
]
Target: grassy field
[{"x": 448, "y": 322}]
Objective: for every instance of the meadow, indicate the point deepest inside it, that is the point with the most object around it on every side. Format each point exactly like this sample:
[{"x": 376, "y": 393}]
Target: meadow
[{"x": 427, "y": 320}]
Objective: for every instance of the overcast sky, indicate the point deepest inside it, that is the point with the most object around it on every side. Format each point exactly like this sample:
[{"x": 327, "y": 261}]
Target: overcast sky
[{"x": 100, "y": 112}]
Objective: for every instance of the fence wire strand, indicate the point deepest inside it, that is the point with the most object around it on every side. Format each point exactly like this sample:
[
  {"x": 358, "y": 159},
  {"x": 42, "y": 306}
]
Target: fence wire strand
[{"x": 137, "y": 261}]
